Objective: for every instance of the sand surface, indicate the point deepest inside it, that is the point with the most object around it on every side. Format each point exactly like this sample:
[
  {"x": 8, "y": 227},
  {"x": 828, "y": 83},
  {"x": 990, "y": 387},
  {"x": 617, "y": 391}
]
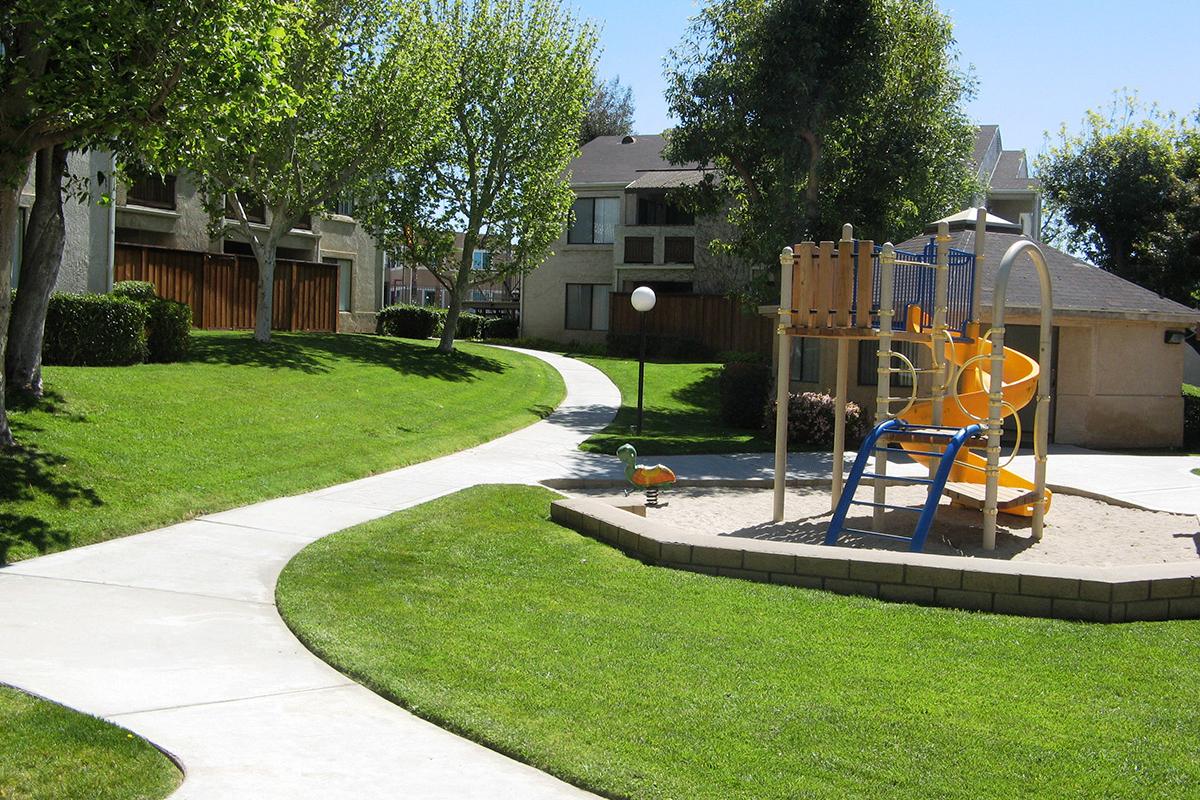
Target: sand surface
[{"x": 1078, "y": 530}]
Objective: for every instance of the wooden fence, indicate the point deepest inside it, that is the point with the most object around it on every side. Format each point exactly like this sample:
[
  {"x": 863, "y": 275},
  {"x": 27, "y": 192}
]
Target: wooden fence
[
  {"x": 222, "y": 289},
  {"x": 718, "y": 322}
]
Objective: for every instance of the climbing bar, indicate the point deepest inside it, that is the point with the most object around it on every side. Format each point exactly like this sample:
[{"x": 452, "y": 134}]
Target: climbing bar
[
  {"x": 892, "y": 506},
  {"x": 897, "y": 478},
  {"x": 880, "y": 534}
]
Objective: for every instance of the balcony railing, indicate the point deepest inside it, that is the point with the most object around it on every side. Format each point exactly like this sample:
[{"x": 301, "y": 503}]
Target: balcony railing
[
  {"x": 152, "y": 191},
  {"x": 679, "y": 250},
  {"x": 639, "y": 249}
]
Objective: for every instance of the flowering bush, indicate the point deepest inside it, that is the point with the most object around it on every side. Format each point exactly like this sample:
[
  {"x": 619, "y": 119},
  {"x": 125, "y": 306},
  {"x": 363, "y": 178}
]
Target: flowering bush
[{"x": 810, "y": 420}]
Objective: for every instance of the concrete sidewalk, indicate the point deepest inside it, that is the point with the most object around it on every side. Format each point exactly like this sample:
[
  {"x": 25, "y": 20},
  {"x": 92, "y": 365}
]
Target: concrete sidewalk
[{"x": 174, "y": 634}]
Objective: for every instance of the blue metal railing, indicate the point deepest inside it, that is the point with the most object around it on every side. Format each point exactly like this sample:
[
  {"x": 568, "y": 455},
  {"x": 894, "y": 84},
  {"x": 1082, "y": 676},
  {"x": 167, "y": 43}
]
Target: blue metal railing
[{"x": 916, "y": 286}]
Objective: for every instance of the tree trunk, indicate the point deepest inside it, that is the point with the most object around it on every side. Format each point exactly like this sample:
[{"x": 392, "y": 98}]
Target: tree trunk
[
  {"x": 462, "y": 281},
  {"x": 812, "y": 188},
  {"x": 266, "y": 291},
  {"x": 44, "y": 240},
  {"x": 12, "y": 179}
]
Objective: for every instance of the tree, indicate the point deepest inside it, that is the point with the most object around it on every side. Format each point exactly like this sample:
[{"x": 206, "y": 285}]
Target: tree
[
  {"x": 819, "y": 112},
  {"x": 1124, "y": 193},
  {"x": 75, "y": 74},
  {"x": 365, "y": 75},
  {"x": 609, "y": 112},
  {"x": 521, "y": 74}
]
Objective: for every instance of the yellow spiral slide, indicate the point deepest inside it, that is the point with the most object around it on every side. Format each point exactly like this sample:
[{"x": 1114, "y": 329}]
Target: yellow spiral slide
[{"x": 967, "y": 477}]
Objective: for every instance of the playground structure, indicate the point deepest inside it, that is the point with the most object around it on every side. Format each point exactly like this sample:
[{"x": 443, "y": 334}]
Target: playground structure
[{"x": 857, "y": 290}]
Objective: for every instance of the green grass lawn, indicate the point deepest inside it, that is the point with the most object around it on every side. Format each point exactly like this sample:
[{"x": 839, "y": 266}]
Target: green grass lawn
[
  {"x": 53, "y": 753},
  {"x": 680, "y": 412},
  {"x": 478, "y": 613},
  {"x": 117, "y": 450}
]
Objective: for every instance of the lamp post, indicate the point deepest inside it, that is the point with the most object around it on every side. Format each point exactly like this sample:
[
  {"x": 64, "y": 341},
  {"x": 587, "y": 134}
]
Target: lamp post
[{"x": 642, "y": 300}]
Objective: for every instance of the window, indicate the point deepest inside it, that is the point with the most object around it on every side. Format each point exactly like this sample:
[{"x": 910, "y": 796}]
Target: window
[
  {"x": 806, "y": 360},
  {"x": 587, "y": 307},
  {"x": 154, "y": 191},
  {"x": 657, "y": 210},
  {"x": 481, "y": 259},
  {"x": 342, "y": 205},
  {"x": 868, "y": 362},
  {"x": 593, "y": 220},
  {"x": 345, "y": 280},
  {"x": 256, "y": 210}
]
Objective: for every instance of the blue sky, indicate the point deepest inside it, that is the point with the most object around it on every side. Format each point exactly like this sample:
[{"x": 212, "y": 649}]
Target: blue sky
[{"x": 1038, "y": 64}]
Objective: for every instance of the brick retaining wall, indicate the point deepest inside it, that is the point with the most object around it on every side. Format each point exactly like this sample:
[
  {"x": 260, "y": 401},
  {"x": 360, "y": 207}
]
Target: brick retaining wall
[{"x": 1097, "y": 594}]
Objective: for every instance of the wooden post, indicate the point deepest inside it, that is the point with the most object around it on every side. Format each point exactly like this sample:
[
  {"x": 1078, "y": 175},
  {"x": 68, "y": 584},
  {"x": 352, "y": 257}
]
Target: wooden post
[
  {"x": 839, "y": 419},
  {"x": 866, "y": 283},
  {"x": 803, "y": 287},
  {"x": 843, "y": 291},
  {"x": 977, "y": 284},
  {"x": 783, "y": 380},
  {"x": 824, "y": 299}
]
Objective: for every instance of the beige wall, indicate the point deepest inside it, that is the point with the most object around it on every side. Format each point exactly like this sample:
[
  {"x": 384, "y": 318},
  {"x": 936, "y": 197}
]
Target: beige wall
[
  {"x": 543, "y": 291},
  {"x": 1118, "y": 386}
]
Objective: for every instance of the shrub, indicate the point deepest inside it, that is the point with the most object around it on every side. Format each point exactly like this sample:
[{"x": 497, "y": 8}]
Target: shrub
[
  {"x": 470, "y": 326},
  {"x": 138, "y": 291},
  {"x": 1191, "y": 415},
  {"x": 744, "y": 390},
  {"x": 409, "y": 322},
  {"x": 94, "y": 330},
  {"x": 810, "y": 421},
  {"x": 502, "y": 328},
  {"x": 168, "y": 331},
  {"x": 628, "y": 345}
]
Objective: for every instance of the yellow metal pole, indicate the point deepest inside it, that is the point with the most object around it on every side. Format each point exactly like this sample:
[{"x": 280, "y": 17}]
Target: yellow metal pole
[{"x": 782, "y": 380}]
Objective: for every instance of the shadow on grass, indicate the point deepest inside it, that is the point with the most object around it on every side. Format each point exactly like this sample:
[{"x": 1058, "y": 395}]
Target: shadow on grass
[
  {"x": 30, "y": 474},
  {"x": 316, "y": 353}
]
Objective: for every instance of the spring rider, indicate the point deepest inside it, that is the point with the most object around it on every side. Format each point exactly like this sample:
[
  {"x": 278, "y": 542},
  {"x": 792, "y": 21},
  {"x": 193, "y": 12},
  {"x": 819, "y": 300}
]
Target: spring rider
[{"x": 648, "y": 478}]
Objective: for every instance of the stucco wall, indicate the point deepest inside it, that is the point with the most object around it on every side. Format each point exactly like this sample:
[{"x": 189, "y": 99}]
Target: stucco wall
[
  {"x": 543, "y": 291},
  {"x": 1118, "y": 386}
]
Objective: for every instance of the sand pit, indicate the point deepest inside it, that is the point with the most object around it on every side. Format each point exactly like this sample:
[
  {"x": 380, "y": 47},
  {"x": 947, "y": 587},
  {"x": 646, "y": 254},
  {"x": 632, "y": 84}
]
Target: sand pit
[{"x": 1078, "y": 530}]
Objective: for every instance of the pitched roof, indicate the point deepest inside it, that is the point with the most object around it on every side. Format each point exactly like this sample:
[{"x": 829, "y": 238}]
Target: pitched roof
[
  {"x": 668, "y": 178},
  {"x": 1012, "y": 172},
  {"x": 983, "y": 139},
  {"x": 621, "y": 159},
  {"x": 1079, "y": 288}
]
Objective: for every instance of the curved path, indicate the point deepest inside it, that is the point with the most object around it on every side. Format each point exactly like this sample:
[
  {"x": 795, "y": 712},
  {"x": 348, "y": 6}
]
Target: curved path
[{"x": 174, "y": 634}]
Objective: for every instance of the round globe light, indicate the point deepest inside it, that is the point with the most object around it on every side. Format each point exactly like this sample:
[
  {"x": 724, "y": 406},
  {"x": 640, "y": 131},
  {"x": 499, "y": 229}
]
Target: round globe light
[{"x": 642, "y": 298}]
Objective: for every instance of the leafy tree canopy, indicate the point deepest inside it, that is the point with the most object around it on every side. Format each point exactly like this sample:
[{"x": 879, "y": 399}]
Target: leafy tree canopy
[
  {"x": 819, "y": 112},
  {"x": 366, "y": 77},
  {"x": 609, "y": 113},
  {"x": 1124, "y": 193},
  {"x": 520, "y": 73}
]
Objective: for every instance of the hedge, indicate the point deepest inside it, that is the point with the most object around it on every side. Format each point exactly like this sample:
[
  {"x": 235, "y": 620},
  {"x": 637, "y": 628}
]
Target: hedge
[
  {"x": 502, "y": 328},
  {"x": 470, "y": 326},
  {"x": 744, "y": 389},
  {"x": 169, "y": 331},
  {"x": 407, "y": 321},
  {"x": 95, "y": 330},
  {"x": 138, "y": 291}
]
